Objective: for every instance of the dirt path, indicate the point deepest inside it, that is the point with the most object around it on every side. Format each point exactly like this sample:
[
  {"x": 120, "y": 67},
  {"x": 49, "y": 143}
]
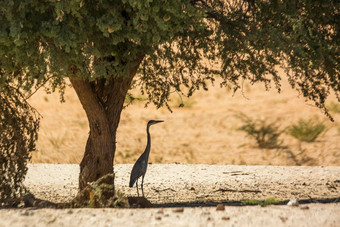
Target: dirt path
[
  {"x": 177, "y": 183},
  {"x": 311, "y": 215}
]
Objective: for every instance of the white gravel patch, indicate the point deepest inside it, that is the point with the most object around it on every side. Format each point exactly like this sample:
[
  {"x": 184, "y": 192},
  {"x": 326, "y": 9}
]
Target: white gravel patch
[{"x": 172, "y": 183}]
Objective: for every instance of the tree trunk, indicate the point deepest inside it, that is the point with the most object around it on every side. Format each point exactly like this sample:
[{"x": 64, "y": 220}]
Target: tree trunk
[{"x": 102, "y": 101}]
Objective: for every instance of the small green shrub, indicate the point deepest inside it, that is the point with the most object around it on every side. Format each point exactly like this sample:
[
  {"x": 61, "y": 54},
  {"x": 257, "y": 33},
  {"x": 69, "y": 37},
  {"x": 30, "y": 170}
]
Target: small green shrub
[
  {"x": 267, "y": 202},
  {"x": 334, "y": 107},
  {"x": 57, "y": 141},
  {"x": 265, "y": 133},
  {"x": 306, "y": 130},
  {"x": 300, "y": 157}
]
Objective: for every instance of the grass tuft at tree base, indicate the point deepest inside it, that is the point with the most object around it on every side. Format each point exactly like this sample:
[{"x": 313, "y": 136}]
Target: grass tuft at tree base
[{"x": 99, "y": 194}]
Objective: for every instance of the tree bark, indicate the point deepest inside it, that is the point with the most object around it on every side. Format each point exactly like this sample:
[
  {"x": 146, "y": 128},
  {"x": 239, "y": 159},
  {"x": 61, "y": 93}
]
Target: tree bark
[{"x": 103, "y": 102}]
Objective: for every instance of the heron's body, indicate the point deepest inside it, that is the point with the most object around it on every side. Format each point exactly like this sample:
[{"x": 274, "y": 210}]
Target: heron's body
[{"x": 139, "y": 168}]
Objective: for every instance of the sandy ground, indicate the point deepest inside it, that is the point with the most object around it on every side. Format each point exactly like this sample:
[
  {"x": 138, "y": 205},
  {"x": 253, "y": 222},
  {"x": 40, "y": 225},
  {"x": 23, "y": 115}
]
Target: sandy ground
[{"x": 177, "y": 183}]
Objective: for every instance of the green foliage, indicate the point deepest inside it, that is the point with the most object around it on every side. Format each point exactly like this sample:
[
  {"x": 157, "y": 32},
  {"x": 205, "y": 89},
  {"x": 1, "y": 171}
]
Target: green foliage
[
  {"x": 90, "y": 39},
  {"x": 306, "y": 130},
  {"x": 19, "y": 124},
  {"x": 186, "y": 102},
  {"x": 180, "y": 42},
  {"x": 265, "y": 133},
  {"x": 130, "y": 98},
  {"x": 300, "y": 36},
  {"x": 267, "y": 202}
]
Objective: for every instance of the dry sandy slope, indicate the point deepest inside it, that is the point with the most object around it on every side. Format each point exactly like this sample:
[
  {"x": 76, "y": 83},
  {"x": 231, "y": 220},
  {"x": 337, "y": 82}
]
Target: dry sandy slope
[
  {"x": 170, "y": 183},
  {"x": 203, "y": 132}
]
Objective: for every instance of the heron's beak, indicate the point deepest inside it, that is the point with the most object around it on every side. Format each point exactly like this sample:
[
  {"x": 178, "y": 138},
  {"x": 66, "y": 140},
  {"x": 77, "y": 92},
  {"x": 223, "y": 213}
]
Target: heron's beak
[{"x": 158, "y": 122}]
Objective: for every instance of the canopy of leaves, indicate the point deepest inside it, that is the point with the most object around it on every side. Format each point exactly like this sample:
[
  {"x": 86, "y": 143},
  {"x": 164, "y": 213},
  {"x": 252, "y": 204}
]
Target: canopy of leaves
[
  {"x": 184, "y": 42},
  {"x": 95, "y": 38}
]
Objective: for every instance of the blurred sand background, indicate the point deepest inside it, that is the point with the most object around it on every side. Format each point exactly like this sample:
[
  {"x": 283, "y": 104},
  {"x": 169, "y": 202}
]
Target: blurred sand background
[{"x": 204, "y": 131}]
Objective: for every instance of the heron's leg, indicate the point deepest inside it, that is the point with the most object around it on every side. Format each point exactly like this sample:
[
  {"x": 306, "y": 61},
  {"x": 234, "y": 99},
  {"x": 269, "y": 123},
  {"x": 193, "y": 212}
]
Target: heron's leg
[
  {"x": 137, "y": 187},
  {"x": 142, "y": 185}
]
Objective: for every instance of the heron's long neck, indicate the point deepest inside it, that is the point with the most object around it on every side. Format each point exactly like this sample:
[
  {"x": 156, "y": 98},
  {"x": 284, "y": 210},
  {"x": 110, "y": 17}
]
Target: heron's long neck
[{"x": 148, "y": 145}]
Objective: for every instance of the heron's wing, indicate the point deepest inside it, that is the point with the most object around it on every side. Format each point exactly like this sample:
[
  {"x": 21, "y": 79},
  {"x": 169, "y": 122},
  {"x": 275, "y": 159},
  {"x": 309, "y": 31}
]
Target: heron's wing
[{"x": 138, "y": 170}]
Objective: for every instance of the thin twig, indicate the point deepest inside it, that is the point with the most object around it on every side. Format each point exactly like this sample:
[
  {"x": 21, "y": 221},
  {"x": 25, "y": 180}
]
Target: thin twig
[{"x": 30, "y": 95}]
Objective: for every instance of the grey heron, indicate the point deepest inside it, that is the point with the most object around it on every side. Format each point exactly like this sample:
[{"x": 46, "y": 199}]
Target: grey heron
[{"x": 139, "y": 168}]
